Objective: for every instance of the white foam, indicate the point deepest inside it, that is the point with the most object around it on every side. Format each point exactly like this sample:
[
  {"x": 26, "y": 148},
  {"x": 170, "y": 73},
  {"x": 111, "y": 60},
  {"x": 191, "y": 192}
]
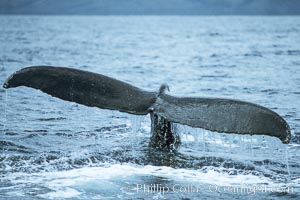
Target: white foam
[
  {"x": 69, "y": 184},
  {"x": 62, "y": 194}
]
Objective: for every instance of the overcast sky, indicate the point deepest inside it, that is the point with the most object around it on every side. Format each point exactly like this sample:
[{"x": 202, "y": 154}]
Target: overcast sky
[{"x": 152, "y": 7}]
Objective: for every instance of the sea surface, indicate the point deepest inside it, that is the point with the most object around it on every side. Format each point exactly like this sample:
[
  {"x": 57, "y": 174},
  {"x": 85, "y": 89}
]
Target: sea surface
[{"x": 53, "y": 149}]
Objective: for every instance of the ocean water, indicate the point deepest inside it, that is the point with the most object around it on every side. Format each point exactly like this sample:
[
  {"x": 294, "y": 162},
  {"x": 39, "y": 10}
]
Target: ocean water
[{"x": 53, "y": 149}]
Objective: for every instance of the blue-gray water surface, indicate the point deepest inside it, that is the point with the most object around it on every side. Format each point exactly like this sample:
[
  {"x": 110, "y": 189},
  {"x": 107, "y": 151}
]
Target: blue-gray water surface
[{"x": 53, "y": 149}]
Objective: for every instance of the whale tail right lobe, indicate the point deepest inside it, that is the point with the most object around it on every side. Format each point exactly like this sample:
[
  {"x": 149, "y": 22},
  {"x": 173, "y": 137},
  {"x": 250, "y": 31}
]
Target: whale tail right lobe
[{"x": 223, "y": 115}]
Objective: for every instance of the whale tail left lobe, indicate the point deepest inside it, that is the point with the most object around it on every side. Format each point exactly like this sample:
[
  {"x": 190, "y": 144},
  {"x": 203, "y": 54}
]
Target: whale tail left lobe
[{"x": 86, "y": 88}]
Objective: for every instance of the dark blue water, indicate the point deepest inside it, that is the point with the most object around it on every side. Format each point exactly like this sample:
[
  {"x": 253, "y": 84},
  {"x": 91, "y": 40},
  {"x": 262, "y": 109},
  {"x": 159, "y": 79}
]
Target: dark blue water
[{"x": 52, "y": 149}]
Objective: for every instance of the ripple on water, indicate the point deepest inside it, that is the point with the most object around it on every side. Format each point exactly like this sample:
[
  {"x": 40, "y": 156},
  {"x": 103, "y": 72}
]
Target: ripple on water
[{"x": 8, "y": 146}]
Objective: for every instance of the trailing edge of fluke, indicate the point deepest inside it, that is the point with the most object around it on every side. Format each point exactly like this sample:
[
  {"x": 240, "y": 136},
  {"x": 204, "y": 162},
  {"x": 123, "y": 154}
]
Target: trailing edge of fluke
[{"x": 96, "y": 90}]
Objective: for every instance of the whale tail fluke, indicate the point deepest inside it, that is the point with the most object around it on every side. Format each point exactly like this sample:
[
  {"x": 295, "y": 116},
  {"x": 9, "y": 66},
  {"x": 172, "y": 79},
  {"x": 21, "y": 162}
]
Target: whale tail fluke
[
  {"x": 86, "y": 88},
  {"x": 96, "y": 90},
  {"x": 223, "y": 115}
]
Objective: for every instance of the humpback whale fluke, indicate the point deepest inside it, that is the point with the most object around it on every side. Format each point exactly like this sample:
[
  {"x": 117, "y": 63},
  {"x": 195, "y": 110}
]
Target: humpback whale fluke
[
  {"x": 87, "y": 88},
  {"x": 96, "y": 90}
]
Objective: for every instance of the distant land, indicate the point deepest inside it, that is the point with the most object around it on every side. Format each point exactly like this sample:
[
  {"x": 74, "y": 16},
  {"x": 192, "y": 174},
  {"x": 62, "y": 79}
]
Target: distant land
[{"x": 151, "y": 7}]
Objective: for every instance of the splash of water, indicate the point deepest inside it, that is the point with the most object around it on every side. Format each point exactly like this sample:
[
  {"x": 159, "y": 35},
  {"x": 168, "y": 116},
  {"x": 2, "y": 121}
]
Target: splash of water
[
  {"x": 5, "y": 111},
  {"x": 259, "y": 152}
]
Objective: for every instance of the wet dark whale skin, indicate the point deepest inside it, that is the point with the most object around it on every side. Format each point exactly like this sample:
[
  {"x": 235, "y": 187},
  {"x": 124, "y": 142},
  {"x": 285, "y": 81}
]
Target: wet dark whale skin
[
  {"x": 223, "y": 115},
  {"x": 87, "y": 88},
  {"x": 96, "y": 90}
]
